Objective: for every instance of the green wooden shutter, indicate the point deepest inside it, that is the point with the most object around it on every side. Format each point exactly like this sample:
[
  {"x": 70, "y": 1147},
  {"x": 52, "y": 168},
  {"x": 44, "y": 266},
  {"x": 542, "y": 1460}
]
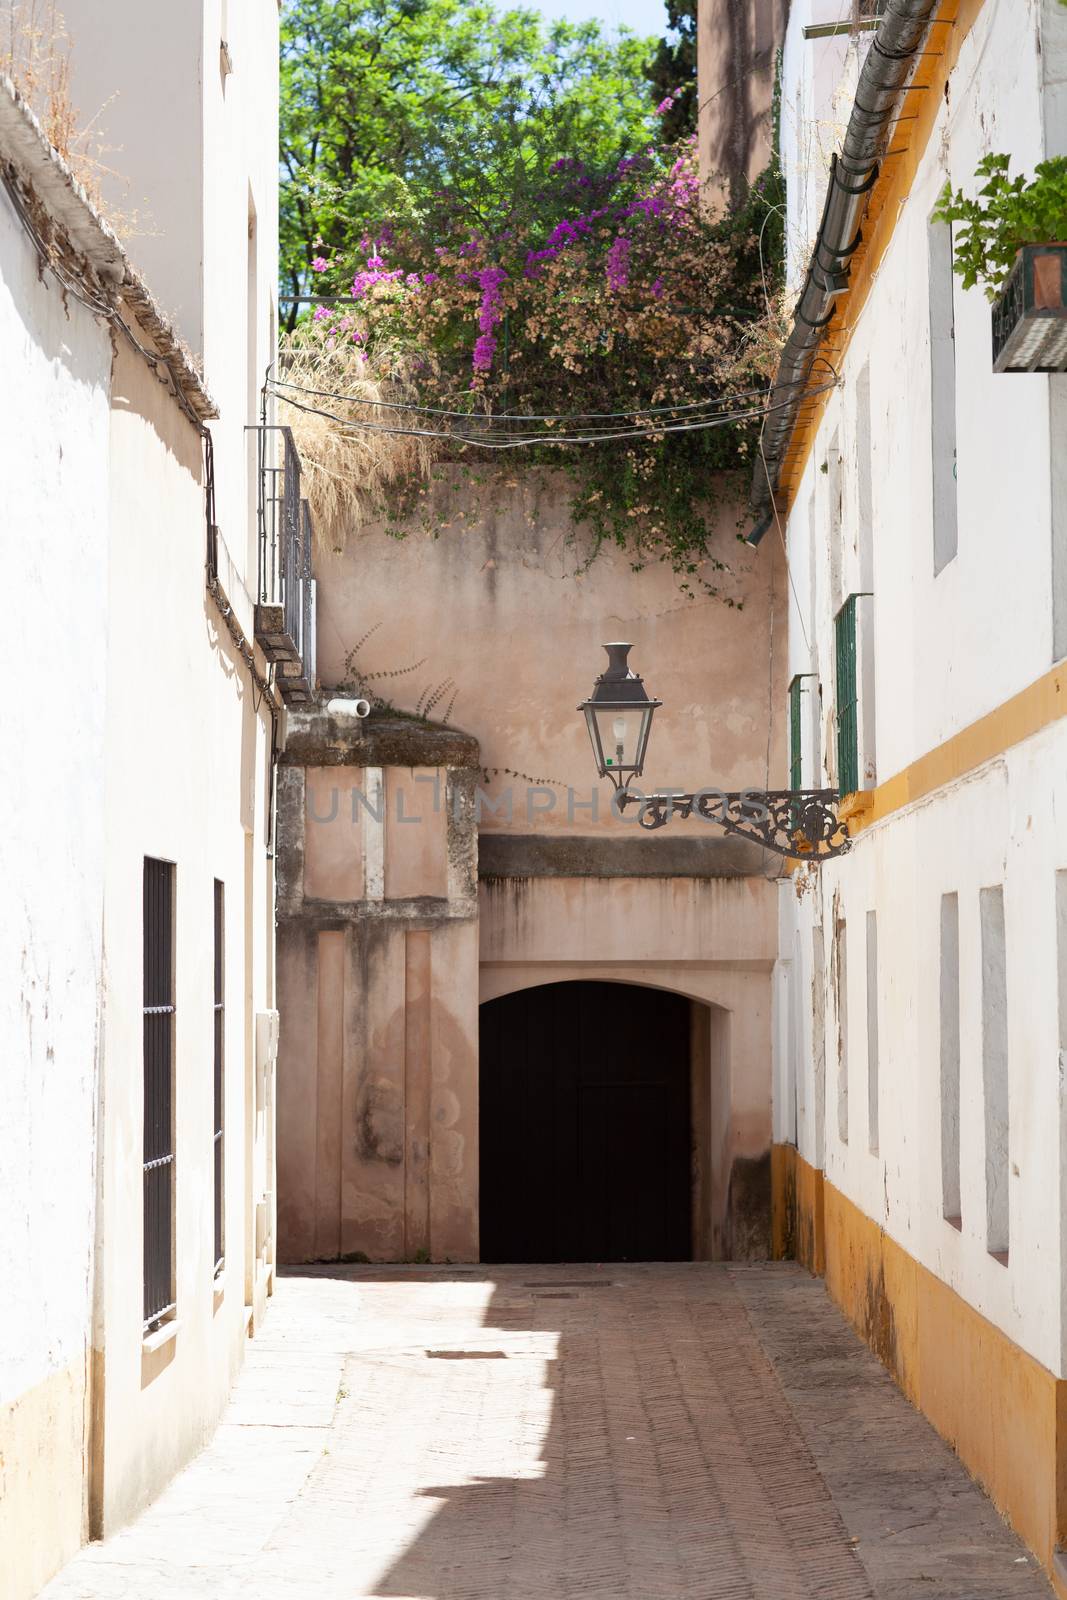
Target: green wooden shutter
[
  {"x": 796, "y": 742},
  {"x": 847, "y": 698},
  {"x": 794, "y": 734}
]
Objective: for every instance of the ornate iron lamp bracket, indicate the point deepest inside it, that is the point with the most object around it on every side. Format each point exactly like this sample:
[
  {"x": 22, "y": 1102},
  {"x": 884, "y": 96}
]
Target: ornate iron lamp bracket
[{"x": 792, "y": 822}]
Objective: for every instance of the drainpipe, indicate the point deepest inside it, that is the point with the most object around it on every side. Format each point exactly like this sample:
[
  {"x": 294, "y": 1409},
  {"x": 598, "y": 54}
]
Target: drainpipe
[{"x": 853, "y": 174}]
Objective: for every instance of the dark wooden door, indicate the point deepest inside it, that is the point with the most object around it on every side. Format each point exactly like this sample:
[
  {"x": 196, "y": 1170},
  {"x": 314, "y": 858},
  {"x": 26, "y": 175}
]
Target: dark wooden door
[{"x": 584, "y": 1124}]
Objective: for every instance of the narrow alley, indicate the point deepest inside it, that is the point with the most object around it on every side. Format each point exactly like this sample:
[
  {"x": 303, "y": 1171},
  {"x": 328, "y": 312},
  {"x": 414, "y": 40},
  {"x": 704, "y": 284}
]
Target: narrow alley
[{"x": 640, "y": 1431}]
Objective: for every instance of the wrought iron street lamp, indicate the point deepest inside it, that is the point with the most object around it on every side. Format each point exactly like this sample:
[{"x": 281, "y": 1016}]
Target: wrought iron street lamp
[{"x": 618, "y": 714}]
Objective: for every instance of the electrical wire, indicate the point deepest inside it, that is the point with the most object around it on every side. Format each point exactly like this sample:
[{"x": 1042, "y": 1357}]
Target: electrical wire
[
  {"x": 521, "y": 416},
  {"x": 606, "y": 436},
  {"x": 99, "y": 308}
]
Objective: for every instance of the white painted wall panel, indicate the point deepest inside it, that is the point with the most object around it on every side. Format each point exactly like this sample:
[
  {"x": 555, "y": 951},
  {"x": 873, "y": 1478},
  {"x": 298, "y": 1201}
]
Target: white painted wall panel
[
  {"x": 53, "y": 557},
  {"x": 947, "y": 650}
]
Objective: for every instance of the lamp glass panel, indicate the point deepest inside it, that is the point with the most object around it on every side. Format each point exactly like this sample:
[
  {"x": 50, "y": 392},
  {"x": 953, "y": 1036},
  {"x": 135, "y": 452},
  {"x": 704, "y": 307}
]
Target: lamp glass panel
[
  {"x": 594, "y": 739},
  {"x": 621, "y": 731}
]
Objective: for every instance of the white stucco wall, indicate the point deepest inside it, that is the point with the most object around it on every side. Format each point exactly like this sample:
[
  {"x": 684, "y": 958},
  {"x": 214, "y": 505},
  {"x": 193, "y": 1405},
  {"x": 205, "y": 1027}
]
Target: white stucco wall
[
  {"x": 947, "y": 649},
  {"x": 198, "y": 185},
  {"x": 188, "y": 745},
  {"x": 53, "y": 554},
  {"x": 997, "y": 828},
  {"x": 240, "y": 256},
  {"x": 187, "y": 771},
  {"x": 136, "y": 732},
  {"x": 136, "y": 68},
  {"x": 818, "y": 80}
]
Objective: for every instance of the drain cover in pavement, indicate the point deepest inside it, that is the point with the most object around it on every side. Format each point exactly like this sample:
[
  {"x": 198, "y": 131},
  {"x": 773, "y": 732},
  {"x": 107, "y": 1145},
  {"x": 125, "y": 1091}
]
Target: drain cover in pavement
[
  {"x": 467, "y": 1355},
  {"x": 572, "y": 1283}
]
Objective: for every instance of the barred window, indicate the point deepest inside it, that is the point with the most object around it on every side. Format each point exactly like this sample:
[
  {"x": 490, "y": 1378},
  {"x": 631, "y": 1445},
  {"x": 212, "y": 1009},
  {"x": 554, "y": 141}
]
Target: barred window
[
  {"x": 158, "y": 1001},
  {"x": 219, "y": 1032},
  {"x": 797, "y": 711}
]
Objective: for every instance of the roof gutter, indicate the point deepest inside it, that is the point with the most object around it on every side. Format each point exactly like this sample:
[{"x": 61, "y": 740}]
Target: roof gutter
[{"x": 853, "y": 174}]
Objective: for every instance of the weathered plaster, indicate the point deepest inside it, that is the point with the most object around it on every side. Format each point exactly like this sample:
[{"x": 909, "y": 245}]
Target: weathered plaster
[
  {"x": 505, "y": 603},
  {"x": 165, "y": 755},
  {"x": 970, "y": 744},
  {"x": 565, "y": 888},
  {"x": 54, "y": 541}
]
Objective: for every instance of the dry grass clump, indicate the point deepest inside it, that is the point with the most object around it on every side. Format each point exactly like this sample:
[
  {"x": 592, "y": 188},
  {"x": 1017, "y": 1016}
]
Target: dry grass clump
[
  {"x": 349, "y": 469},
  {"x": 35, "y": 55},
  {"x": 761, "y": 344},
  {"x": 35, "y": 50}
]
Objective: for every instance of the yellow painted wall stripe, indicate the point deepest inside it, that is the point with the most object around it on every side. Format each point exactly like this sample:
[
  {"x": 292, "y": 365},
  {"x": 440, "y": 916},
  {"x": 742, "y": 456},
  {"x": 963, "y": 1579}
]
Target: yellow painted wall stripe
[
  {"x": 1026, "y": 713},
  {"x": 939, "y": 1348}
]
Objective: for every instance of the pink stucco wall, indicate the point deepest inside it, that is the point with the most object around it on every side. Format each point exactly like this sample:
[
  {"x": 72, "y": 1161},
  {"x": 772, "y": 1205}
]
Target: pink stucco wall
[
  {"x": 386, "y": 951},
  {"x": 505, "y": 606}
]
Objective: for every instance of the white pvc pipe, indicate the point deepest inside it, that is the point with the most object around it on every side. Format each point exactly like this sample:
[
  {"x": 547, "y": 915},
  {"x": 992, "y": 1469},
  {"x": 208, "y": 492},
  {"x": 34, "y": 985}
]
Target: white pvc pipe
[{"x": 348, "y": 708}]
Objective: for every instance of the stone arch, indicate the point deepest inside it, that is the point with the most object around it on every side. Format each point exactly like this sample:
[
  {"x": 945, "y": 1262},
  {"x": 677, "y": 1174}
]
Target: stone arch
[{"x": 708, "y": 1159}]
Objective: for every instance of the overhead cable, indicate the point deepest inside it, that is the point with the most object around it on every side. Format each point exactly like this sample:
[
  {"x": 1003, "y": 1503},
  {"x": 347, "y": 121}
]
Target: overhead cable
[
  {"x": 606, "y": 436},
  {"x": 520, "y": 416}
]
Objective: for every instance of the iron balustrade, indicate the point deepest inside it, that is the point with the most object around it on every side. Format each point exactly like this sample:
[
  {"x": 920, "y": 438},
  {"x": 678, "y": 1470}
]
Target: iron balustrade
[{"x": 285, "y": 627}]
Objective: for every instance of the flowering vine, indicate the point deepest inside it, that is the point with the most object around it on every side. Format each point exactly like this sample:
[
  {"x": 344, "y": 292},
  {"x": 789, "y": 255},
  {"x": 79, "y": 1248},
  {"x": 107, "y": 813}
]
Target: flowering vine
[{"x": 632, "y": 302}]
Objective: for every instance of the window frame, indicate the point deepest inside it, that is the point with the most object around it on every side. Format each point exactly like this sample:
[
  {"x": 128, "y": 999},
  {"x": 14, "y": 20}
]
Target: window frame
[
  {"x": 846, "y": 684},
  {"x": 218, "y": 1017},
  {"x": 159, "y": 1159}
]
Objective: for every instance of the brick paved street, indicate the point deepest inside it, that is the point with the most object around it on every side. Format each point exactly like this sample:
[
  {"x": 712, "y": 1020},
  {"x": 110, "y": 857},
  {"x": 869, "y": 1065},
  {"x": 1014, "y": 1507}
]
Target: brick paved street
[{"x": 636, "y": 1433}]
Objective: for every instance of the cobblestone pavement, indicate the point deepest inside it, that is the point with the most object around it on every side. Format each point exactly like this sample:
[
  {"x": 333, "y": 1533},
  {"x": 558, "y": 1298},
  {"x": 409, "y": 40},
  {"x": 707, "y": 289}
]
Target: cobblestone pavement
[{"x": 563, "y": 1433}]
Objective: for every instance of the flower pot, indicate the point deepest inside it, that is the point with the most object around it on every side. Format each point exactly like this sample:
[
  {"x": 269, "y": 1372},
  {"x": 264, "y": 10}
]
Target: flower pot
[{"x": 1030, "y": 314}]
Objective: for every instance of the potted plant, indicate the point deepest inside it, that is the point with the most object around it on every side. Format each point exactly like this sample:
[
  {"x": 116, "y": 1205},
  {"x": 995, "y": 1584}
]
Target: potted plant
[{"x": 1012, "y": 239}]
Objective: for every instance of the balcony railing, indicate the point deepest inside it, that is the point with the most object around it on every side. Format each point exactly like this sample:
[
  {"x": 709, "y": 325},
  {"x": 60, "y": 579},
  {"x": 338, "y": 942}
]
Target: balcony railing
[{"x": 285, "y": 613}]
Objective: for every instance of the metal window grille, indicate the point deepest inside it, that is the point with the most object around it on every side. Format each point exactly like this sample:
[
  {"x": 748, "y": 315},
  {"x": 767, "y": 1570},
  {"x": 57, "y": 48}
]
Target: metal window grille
[
  {"x": 285, "y": 610},
  {"x": 847, "y": 694},
  {"x": 281, "y": 525},
  {"x": 159, "y": 1298},
  {"x": 218, "y": 1015}
]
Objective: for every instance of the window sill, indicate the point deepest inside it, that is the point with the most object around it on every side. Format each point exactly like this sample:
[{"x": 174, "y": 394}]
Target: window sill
[{"x": 162, "y": 1336}]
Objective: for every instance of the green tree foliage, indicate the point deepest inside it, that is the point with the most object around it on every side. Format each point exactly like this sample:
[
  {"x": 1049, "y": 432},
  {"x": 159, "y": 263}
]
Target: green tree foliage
[
  {"x": 513, "y": 257},
  {"x": 395, "y": 109},
  {"x": 672, "y": 71}
]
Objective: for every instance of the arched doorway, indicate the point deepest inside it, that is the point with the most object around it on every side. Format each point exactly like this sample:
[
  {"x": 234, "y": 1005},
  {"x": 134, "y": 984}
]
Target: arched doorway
[{"x": 585, "y": 1124}]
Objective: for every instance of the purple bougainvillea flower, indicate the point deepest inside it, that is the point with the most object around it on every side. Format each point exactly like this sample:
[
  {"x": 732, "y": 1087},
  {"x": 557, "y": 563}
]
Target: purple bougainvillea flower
[
  {"x": 617, "y": 263},
  {"x": 484, "y": 350},
  {"x": 489, "y": 280},
  {"x": 319, "y": 264}
]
